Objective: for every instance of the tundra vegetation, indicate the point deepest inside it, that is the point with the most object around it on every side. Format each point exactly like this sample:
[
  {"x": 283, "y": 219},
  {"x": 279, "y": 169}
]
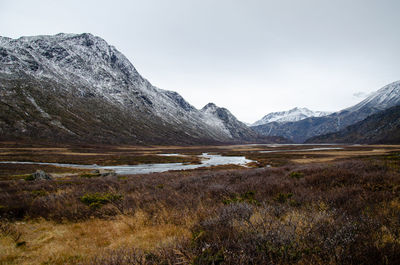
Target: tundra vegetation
[{"x": 336, "y": 211}]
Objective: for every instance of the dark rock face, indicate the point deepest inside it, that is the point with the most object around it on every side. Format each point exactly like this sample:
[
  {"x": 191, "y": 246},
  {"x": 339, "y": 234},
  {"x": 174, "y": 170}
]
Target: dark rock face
[
  {"x": 300, "y": 131},
  {"x": 380, "y": 128},
  {"x": 77, "y": 88}
]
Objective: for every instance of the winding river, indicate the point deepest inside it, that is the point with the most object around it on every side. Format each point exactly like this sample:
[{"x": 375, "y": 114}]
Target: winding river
[{"x": 207, "y": 160}]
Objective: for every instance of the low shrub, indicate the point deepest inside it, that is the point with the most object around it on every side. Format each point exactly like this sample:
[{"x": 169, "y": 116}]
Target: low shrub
[
  {"x": 283, "y": 197},
  {"x": 96, "y": 200},
  {"x": 90, "y": 175},
  {"x": 296, "y": 175},
  {"x": 39, "y": 193},
  {"x": 160, "y": 186},
  {"x": 247, "y": 197},
  {"x": 29, "y": 177}
]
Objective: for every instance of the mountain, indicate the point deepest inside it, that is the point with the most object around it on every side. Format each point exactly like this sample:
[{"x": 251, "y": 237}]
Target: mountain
[
  {"x": 76, "y": 87},
  {"x": 380, "y": 128},
  {"x": 223, "y": 118},
  {"x": 295, "y": 114},
  {"x": 299, "y": 131},
  {"x": 386, "y": 97}
]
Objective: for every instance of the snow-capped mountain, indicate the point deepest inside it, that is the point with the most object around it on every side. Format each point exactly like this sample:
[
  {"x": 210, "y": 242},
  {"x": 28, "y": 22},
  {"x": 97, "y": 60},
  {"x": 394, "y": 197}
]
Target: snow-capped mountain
[
  {"x": 386, "y": 97},
  {"x": 299, "y": 131},
  {"x": 295, "y": 114},
  {"x": 382, "y": 127},
  {"x": 223, "y": 119},
  {"x": 78, "y": 87}
]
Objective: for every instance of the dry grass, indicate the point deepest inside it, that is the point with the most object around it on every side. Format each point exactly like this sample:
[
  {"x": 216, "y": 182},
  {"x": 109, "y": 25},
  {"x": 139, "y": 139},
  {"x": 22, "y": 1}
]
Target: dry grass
[
  {"x": 306, "y": 160},
  {"x": 17, "y": 171},
  {"x": 59, "y": 243},
  {"x": 332, "y": 155}
]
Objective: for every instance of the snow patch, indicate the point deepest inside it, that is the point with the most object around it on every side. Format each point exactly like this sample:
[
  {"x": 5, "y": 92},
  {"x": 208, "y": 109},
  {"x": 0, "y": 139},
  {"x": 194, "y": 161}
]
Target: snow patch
[{"x": 42, "y": 112}]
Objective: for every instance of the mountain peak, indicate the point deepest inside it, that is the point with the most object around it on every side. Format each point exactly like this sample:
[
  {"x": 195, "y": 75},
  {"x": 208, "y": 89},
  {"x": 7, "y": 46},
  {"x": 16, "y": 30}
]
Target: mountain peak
[
  {"x": 226, "y": 121},
  {"x": 81, "y": 59},
  {"x": 209, "y": 106},
  {"x": 294, "y": 114},
  {"x": 59, "y": 38},
  {"x": 384, "y": 98}
]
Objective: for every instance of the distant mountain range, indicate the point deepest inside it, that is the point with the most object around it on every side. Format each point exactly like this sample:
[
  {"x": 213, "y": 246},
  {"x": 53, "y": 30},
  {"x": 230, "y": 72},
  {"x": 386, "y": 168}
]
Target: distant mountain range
[
  {"x": 76, "y": 87},
  {"x": 380, "y": 128},
  {"x": 300, "y": 131},
  {"x": 295, "y": 114}
]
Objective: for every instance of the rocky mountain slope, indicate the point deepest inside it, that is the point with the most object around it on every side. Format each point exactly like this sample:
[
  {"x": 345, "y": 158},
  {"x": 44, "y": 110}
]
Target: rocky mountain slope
[
  {"x": 295, "y": 114},
  {"x": 223, "y": 118},
  {"x": 299, "y": 131},
  {"x": 380, "y": 128},
  {"x": 76, "y": 87}
]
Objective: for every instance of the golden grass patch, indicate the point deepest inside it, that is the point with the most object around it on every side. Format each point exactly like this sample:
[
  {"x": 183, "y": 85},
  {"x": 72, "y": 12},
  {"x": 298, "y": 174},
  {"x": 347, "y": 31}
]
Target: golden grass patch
[{"x": 55, "y": 243}]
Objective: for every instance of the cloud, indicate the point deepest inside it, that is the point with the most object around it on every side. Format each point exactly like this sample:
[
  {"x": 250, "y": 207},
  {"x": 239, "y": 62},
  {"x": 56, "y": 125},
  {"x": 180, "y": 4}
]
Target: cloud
[
  {"x": 252, "y": 57},
  {"x": 361, "y": 95}
]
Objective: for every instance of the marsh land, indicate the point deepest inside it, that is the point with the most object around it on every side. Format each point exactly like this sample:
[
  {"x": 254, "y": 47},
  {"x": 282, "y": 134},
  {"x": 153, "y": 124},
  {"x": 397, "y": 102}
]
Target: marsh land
[{"x": 292, "y": 204}]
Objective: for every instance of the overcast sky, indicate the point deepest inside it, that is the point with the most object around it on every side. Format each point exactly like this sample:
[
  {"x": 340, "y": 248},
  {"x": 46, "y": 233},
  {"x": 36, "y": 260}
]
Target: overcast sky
[{"x": 250, "y": 56}]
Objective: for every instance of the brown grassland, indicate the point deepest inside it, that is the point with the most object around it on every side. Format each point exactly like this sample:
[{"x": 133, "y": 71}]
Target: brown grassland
[{"x": 339, "y": 206}]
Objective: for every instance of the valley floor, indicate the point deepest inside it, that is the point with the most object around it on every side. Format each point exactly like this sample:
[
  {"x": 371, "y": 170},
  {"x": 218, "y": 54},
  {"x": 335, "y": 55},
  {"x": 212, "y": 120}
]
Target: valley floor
[{"x": 295, "y": 204}]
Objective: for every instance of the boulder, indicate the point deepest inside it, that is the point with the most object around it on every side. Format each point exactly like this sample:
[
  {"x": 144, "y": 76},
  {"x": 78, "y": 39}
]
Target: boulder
[
  {"x": 41, "y": 175},
  {"x": 109, "y": 174}
]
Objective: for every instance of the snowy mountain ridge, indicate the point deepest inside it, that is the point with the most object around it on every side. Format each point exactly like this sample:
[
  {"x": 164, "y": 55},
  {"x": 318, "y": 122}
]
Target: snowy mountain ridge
[
  {"x": 299, "y": 131},
  {"x": 77, "y": 85},
  {"x": 295, "y": 114},
  {"x": 386, "y": 97}
]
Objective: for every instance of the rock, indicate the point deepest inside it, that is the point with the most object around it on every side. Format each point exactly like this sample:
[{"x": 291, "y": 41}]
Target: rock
[
  {"x": 95, "y": 171},
  {"x": 41, "y": 175},
  {"x": 108, "y": 174}
]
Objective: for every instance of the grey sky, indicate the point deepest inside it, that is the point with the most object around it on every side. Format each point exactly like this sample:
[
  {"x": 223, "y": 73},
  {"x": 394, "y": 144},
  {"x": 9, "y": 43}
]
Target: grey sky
[{"x": 252, "y": 56}]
